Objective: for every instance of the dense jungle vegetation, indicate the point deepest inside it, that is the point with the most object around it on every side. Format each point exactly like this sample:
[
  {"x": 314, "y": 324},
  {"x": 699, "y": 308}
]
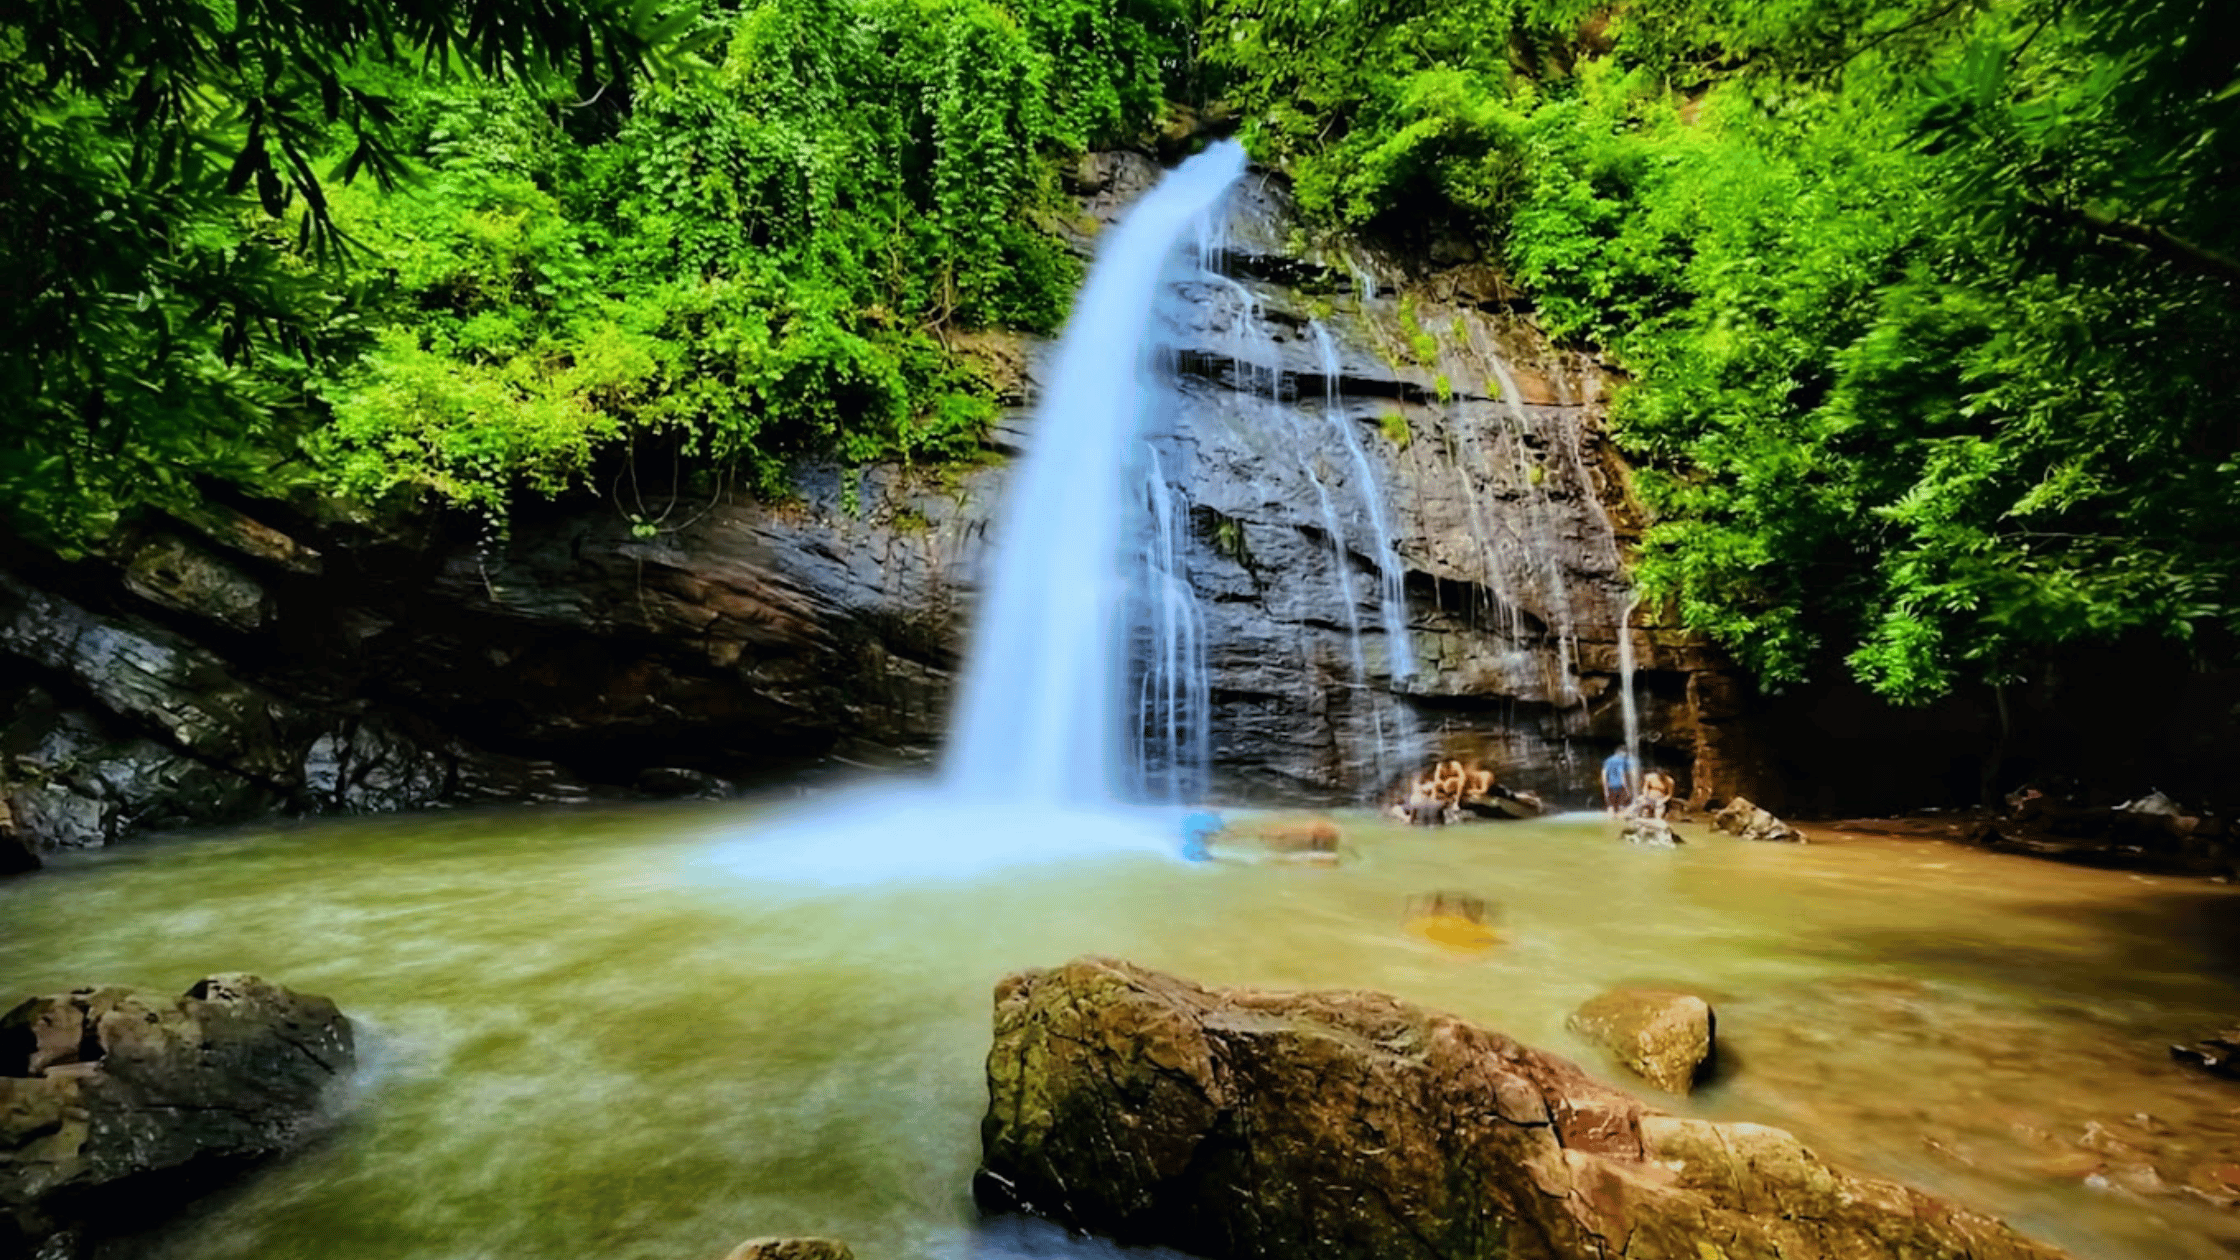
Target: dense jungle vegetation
[{"x": 1928, "y": 306}]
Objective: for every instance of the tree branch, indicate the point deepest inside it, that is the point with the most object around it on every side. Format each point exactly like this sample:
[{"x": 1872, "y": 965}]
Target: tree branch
[{"x": 2161, "y": 242}]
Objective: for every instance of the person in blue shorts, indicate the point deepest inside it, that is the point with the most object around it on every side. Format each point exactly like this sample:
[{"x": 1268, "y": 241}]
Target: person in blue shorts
[{"x": 1618, "y": 771}]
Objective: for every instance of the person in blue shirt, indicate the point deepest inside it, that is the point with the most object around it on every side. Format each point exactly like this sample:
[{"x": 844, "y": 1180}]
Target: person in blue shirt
[
  {"x": 1618, "y": 772},
  {"x": 1198, "y": 829}
]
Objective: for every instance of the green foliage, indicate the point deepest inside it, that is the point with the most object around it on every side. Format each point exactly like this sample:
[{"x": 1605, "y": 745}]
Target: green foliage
[
  {"x": 755, "y": 266},
  {"x": 1395, "y": 428},
  {"x": 559, "y": 263},
  {"x": 159, "y": 326},
  {"x": 1929, "y": 305},
  {"x": 1422, "y": 343}
]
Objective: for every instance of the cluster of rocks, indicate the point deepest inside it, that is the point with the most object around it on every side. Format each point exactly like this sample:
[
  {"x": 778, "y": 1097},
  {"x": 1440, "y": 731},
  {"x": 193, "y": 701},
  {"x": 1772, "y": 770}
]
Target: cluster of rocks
[
  {"x": 1239, "y": 1123},
  {"x": 118, "y": 1103},
  {"x": 1122, "y": 1101},
  {"x": 120, "y": 719},
  {"x": 1650, "y": 833},
  {"x": 2150, "y": 832}
]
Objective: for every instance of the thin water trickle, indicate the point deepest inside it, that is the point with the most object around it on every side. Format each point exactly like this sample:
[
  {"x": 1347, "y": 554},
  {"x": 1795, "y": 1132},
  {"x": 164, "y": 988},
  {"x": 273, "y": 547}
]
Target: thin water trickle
[
  {"x": 1174, "y": 700},
  {"x": 1341, "y": 567},
  {"x": 1247, "y": 341},
  {"x": 1631, "y": 710},
  {"x": 1394, "y": 740},
  {"x": 1542, "y": 537},
  {"x": 1392, "y": 602}
]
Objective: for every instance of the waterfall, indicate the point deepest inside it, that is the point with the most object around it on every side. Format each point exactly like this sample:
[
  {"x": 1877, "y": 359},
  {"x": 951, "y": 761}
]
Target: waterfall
[
  {"x": 1394, "y": 740},
  {"x": 1574, "y": 445},
  {"x": 1038, "y": 718},
  {"x": 1630, "y": 710}
]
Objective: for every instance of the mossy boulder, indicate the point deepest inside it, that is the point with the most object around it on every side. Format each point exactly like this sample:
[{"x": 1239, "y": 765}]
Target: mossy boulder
[
  {"x": 117, "y": 1103},
  {"x": 1246, "y": 1125},
  {"x": 1662, "y": 1037}
]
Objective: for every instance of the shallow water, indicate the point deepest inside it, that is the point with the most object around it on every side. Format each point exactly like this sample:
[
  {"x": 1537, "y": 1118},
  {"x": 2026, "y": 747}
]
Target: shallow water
[{"x": 602, "y": 1033}]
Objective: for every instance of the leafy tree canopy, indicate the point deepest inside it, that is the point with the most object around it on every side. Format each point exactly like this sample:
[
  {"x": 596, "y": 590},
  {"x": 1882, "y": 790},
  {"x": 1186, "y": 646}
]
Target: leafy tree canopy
[
  {"x": 465, "y": 247},
  {"x": 1929, "y": 305}
]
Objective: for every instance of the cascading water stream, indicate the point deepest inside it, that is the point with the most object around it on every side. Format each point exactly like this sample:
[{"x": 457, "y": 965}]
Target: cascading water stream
[
  {"x": 1349, "y": 600},
  {"x": 1393, "y": 738},
  {"x": 1544, "y": 542},
  {"x": 1631, "y": 710},
  {"x": 1037, "y": 717},
  {"x": 1174, "y": 733},
  {"x": 1392, "y": 605},
  {"x": 1574, "y": 446},
  {"x": 1047, "y": 724}
]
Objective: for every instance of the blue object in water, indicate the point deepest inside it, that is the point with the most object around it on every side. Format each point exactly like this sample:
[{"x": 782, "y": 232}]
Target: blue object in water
[{"x": 1198, "y": 827}]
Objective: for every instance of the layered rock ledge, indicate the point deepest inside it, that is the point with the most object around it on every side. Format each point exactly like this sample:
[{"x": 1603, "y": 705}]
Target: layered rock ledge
[{"x": 1247, "y": 1124}]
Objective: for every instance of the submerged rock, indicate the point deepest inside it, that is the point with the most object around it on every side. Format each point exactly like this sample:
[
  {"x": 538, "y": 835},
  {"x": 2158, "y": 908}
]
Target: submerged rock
[
  {"x": 1653, "y": 833},
  {"x": 1294, "y": 835},
  {"x": 1453, "y": 920},
  {"x": 2217, "y": 1054},
  {"x": 117, "y": 1103},
  {"x": 1662, "y": 1037},
  {"x": 17, "y": 856},
  {"x": 1353, "y": 1126},
  {"x": 1743, "y": 819},
  {"x": 791, "y": 1249}
]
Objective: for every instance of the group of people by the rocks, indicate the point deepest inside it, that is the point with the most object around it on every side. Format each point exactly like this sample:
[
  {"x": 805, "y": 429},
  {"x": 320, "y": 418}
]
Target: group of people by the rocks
[
  {"x": 1450, "y": 789},
  {"x": 1621, "y": 771}
]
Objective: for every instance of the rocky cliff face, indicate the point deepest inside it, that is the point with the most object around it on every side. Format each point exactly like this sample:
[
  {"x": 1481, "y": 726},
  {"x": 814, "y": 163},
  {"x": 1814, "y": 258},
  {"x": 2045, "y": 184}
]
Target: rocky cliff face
[
  {"x": 300, "y": 660},
  {"x": 1320, "y": 389}
]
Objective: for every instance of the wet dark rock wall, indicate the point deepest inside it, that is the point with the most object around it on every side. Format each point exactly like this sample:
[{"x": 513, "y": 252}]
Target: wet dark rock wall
[{"x": 300, "y": 658}]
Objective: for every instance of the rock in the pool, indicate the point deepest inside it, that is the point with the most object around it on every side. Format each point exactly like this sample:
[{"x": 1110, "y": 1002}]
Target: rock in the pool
[
  {"x": 1651, "y": 833},
  {"x": 791, "y": 1249},
  {"x": 1662, "y": 1037},
  {"x": 2217, "y": 1054},
  {"x": 117, "y": 1103},
  {"x": 1246, "y": 1125},
  {"x": 1748, "y": 821}
]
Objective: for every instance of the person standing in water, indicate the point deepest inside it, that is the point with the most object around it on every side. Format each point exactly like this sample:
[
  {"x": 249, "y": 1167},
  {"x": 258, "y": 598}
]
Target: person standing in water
[
  {"x": 1618, "y": 770},
  {"x": 1656, "y": 794}
]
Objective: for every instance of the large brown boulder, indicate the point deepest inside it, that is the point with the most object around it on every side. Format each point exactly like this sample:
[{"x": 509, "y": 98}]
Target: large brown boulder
[
  {"x": 1353, "y": 1126},
  {"x": 1662, "y": 1037},
  {"x": 1743, "y": 819},
  {"x": 117, "y": 1102}
]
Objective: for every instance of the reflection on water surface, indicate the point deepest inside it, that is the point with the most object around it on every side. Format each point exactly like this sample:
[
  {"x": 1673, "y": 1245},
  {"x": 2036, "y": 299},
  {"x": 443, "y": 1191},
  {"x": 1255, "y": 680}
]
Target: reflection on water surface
[{"x": 599, "y": 1033}]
